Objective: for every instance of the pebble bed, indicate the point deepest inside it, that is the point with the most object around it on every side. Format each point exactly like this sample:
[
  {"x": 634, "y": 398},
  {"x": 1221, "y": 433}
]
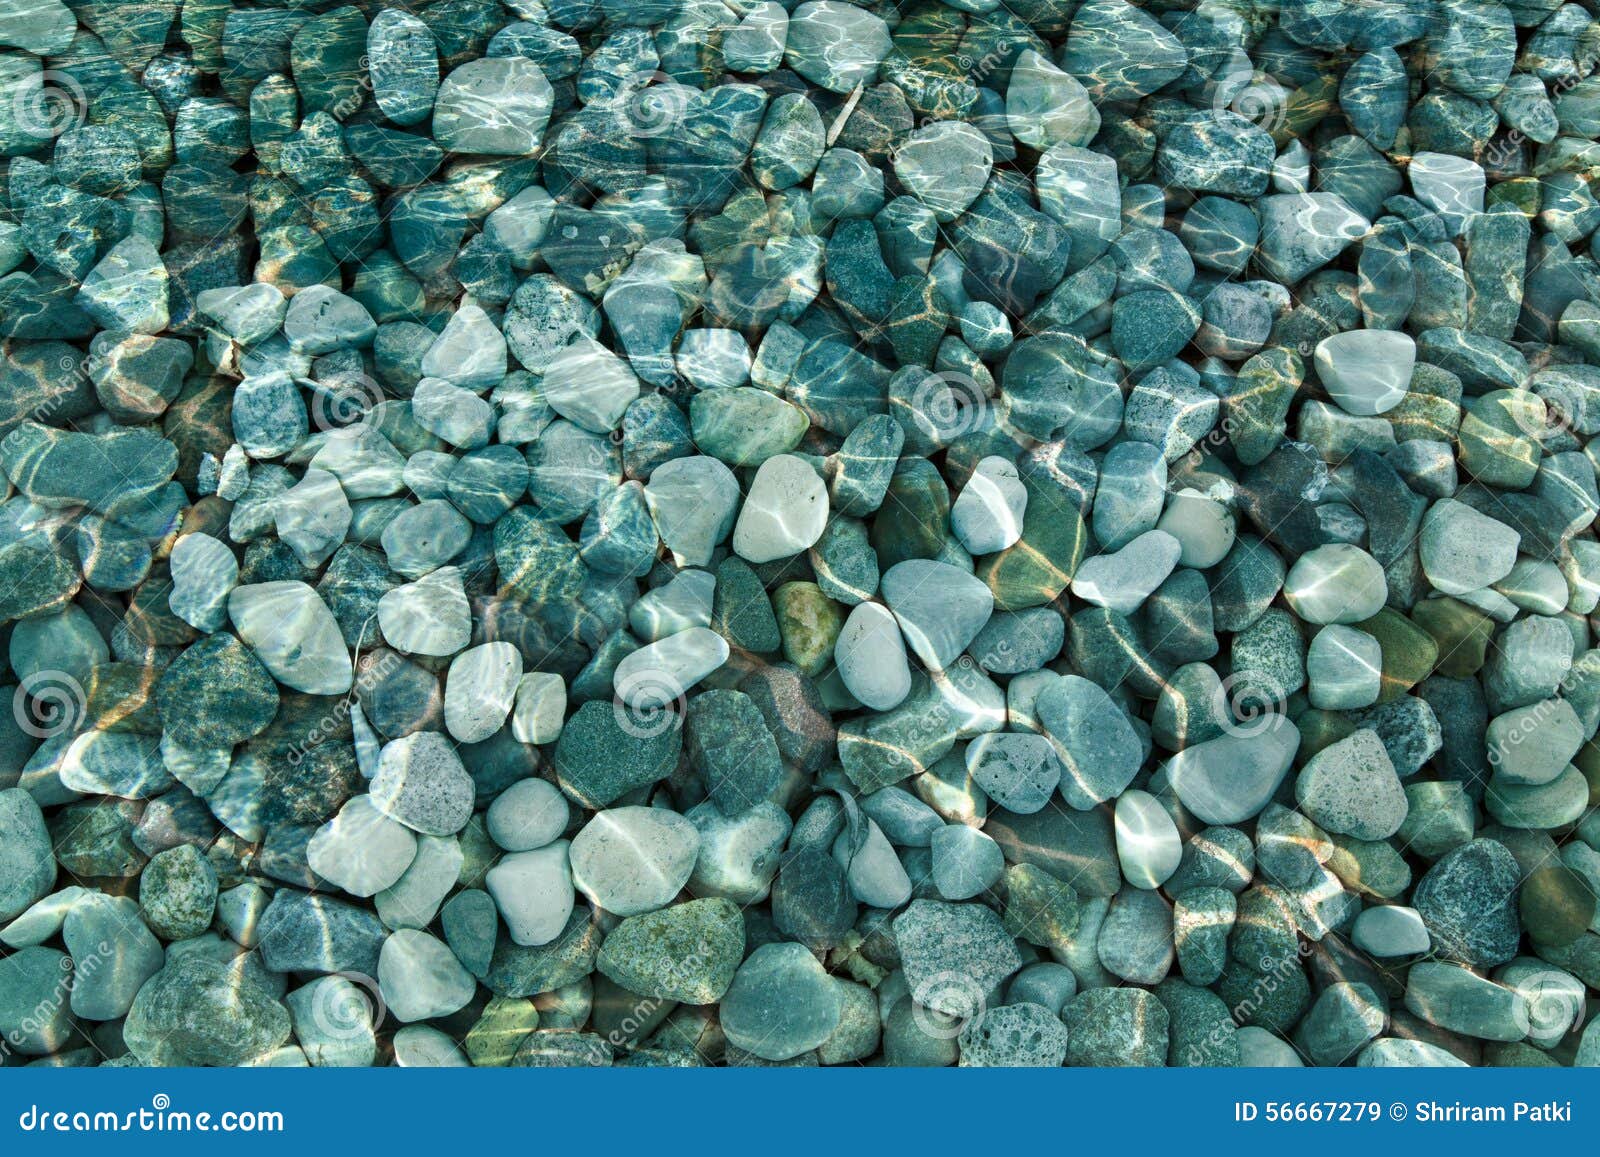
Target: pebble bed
[{"x": 681, "y": 532}]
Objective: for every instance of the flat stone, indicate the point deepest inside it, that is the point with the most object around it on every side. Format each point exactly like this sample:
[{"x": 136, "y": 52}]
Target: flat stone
[
  {"x": 784, "y": 512},
  {"x": 1350, "y": 788},
  {"x": 940, "y": 608},
  {"x": 953, "y": 954},
  {"x": 1148, "y": 846},
  {"x": 361, "y": 850},
  {"x": 497, "y": 105},
  {"x": 1124, "y": 579},
  {"x": 1230, "y": 778},
  {"x": 480, "y": 690},
  {"x": 296, "y": 637},
  {"x": 421, "y": 783},
  {"x": 196, "y": 1011},
  {"x": 1366, "y": 371},
  {"x": 1468, "y": 902},
  {"x": 633, "y": 860},
  {"x": 1098, "y": 749},
  {"x": 689, "y": 952},
  {"x": 533, "y": 891},
  {"x": 420, "y": 979},
  {"x": 781, "y": 1003}
]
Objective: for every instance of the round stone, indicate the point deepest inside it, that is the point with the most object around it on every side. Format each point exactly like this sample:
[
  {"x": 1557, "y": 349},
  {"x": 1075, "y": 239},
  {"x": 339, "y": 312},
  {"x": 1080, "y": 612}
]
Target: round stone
[
  {"x": 527, "y": 815},
  {"x": 1148, "y": 845},
  {"x": 1338, "y": 583},
  {"x": 632, "y": 860},
  {"x": 1366, "y": 371},
  {"x": 784, "y": 513},
  {"x": 533, "y": 891},
  {"x": 782, "y": 1003}
]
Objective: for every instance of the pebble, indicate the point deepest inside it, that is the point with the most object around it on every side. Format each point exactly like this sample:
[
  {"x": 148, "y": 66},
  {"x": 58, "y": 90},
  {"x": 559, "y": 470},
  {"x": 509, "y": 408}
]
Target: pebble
[
  {"x": 987, "y": 515},
  {"x": 1148, "y": 846},
  {"x": 784, "y": 512},
  {"x": 196, "y": 1011},
  {"x": 421, "y": 783},
  {"x": 527, "y": 815},
  {"x": 835, "y": 45},
  {"x": 1344, "y": 669},
  {"x": 1123, "y": 580},
  {"x": 1366, "y": 371},
  {"x": 204, "y": 573},
  {"x": 1350, "y": 788},
  {"x": 480, "y": 689},
  {"x": 657, "y": 675},
  {"x": 1458, "y": 1000},
  {"x": 27, "y": 869},
  {"x": 1390, "y": 930},
  {"x": 540, "y": 708},
  {"x": 427, "y": 617},
  {"x": 361, "y": 850},
  {"x": 1231, "y": 777},
  {"x": 1338, "y": 583},
  {"x": 495, "y": 105},
  {"x": 113, "y": 954},
  {"x": 533, "y": 891},
  {"x": 632, "y": 860},
  {"x": 1462, "y": 550},
  {"x": 965, "y": 862},
  {"x": 420, "y": 979},
  {"x": 1018, "y": 772},
  {"x": 291, "y": 631},
  {"x": 1116, "y": 1027},
  {"x": 940, "y": 608},
  {"x": 1467, "y": 901},
  {"x": 937, "y": 938},
  {"x": 689, "y": 952},
  {"x": 781, "y": 1003},
  {"x": 1098, "y": 748}
]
